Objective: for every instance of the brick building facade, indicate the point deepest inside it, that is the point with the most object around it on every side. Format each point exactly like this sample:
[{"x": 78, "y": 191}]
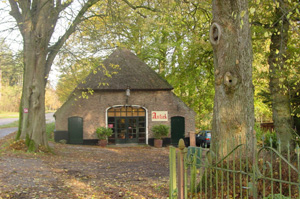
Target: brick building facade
[{"x": 127, "y": 96}]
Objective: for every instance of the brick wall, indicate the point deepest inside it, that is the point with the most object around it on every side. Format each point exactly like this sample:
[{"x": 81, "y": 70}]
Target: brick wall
[{"x": 93, "y": 109}]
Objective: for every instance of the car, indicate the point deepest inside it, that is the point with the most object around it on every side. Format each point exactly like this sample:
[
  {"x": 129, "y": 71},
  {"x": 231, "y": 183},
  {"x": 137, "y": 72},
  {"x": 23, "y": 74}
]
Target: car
[{"x": 203, "y": 138}]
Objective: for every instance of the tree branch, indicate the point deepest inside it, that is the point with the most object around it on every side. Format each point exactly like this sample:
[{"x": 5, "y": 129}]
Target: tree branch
[
  {"x": 15, "y": 12},
  {"x": 61, "y": 7},
  {"x": 139, "y": 7},
  {"x": 53, "y": 50}
]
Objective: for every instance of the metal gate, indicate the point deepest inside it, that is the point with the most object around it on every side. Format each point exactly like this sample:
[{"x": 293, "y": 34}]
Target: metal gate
[{"x": 196, "y": 172}]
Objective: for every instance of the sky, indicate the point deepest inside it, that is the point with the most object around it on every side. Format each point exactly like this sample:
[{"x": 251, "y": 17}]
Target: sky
[{"x": 13, "y": 38}]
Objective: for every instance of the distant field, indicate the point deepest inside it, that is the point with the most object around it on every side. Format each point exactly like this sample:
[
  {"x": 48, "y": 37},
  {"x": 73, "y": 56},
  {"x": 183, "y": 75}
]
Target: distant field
[{"x": 9, "y": 115}]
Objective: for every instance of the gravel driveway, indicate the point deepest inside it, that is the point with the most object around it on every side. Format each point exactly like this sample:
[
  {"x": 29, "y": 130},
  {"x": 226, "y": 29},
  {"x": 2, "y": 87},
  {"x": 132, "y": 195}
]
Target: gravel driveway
[{"x": 76, "y": 171}]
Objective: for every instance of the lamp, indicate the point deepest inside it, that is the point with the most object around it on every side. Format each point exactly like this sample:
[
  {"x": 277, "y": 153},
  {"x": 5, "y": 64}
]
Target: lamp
[{"x": 128, "y": 91}]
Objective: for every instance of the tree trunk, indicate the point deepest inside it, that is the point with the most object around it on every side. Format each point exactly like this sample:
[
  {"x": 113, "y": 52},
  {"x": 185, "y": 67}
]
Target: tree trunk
[
  {"x": 0, "y": 84},
  {"x": 36, "y": 22},
  {"x": 233, "y": 115},
  {"x": 278, "y": 82},
  {"x": 33, "y": 100}
]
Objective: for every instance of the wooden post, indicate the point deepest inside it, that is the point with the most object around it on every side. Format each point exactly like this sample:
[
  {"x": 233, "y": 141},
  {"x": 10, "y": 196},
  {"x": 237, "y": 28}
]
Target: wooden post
[
  {"x": 192, "y": 138},
  {"x": 173, "y": 174},
  {"x": 181, "y": 184}
]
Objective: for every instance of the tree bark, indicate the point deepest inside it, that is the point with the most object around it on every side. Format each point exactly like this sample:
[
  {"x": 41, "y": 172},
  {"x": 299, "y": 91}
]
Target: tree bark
[
  {"x": 0, "y": 84},
  {"x": 233, "y": 115},
  {"x": 278, "y": 78}
]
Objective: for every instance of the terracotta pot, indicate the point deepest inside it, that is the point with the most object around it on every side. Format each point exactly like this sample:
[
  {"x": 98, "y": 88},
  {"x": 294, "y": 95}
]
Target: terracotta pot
[
  {"x": 158, "y": 143},
  {"x": 102, "y": 143}
]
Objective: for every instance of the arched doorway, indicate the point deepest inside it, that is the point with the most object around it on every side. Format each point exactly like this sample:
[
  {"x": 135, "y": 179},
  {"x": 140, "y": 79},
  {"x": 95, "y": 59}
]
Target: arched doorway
[{"x": 128, "y": 124}]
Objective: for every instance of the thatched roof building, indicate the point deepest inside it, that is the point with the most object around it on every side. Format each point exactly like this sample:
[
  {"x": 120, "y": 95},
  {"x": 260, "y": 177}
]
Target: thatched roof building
[{"x": 131, "y": 115}]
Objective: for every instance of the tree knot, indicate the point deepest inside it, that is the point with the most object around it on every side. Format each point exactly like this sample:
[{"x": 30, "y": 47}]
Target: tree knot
[
  {"x": 215, "y": 33},
  {"x": 230, "y": 81}
]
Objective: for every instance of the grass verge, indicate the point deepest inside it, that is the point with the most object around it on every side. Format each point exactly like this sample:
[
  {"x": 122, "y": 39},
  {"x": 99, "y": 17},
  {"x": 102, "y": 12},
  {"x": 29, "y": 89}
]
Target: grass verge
[{"x": 10, "y": 125}]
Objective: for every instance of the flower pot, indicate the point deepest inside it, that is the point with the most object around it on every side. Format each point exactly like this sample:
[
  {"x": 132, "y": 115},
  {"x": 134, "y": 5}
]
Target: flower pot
[
  {"x": 102, "y": 143},
  {"x": 158, "y": 143}
]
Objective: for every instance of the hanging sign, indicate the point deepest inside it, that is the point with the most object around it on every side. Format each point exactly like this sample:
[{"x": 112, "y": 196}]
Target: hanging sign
[
  {"x": 159, "y": 115},
  {"x": 25, "y": 110}
]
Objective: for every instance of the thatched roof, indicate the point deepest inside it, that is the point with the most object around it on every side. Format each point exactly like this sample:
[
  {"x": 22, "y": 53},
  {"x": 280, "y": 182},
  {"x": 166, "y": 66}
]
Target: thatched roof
[{"x": 123, "y": 69}]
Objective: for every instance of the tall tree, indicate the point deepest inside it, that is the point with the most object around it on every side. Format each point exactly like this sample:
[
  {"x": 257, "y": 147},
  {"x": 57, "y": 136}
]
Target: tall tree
[
  {"x": 280, "y": 84},
  {"x": 230, "y": 37},
  {"x": 36, "y": 21},
  {"x": 275, "y": 38}
]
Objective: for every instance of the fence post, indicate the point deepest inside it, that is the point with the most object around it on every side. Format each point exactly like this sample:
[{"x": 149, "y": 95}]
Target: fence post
[
  {"x": 254, "y": 168},
  {"x": 172, "y": 185},
  {"x": 192, "y": 138},
  {"x": 181, "y": 177}
]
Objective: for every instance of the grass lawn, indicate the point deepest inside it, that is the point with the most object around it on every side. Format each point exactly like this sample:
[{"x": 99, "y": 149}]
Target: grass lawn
[{"x": 9, "y": 115}]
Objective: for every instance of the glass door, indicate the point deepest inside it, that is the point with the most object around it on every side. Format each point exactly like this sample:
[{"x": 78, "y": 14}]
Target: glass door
[
  {"x": 132, "y": 130},
  {"x": 128, "y": 125},
  {"x": 121, "y": 130},
  {"x": 126, "y": 130}
]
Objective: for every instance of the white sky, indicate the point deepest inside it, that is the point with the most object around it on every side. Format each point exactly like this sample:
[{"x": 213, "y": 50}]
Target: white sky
[{"x": 13, "y": 39}]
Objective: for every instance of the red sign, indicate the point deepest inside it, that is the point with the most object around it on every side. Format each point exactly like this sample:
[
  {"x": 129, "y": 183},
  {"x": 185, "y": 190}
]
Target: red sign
[
  {"x": 25, "y": 110},
  {"x": 159, "y": 115},
  {"x": 110, "y": 126}
]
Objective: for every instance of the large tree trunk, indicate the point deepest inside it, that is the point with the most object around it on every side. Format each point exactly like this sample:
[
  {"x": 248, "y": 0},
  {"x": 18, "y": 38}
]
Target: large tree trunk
[
  {"x": 0, "y": 83},
  {"x": 36, "y": 34},
  {"x": 278, "y": 82},
  {"x": 33, "y": 123},
  {"x": 36, "y": 21},
  {"x": 233, "y": 115}
]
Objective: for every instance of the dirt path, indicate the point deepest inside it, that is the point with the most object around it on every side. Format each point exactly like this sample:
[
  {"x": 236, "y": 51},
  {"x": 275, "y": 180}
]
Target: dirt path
[{"x": 85, "y": 172}]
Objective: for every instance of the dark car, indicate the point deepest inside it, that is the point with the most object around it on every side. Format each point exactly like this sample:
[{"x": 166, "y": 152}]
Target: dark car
[{"x": 203, "y": 138}]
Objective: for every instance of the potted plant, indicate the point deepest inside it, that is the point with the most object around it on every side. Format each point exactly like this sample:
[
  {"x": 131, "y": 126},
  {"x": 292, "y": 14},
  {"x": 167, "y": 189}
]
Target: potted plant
[
  {"x": 103, "y": 133},
  {"x": 159, "y": 131}
]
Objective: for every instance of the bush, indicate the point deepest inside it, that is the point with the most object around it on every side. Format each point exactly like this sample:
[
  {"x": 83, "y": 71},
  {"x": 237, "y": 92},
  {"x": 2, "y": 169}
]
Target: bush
[
  {"x": 50, "y": 131},
  {"x": 103, "y": 133},
  {"x": 265, "y": 138},
  {"x": 160, "y": 131}
]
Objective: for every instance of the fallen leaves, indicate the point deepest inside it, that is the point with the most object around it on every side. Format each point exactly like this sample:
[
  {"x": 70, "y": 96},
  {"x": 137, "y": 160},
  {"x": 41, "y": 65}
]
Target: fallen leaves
[{"x": 75, "y": 171}]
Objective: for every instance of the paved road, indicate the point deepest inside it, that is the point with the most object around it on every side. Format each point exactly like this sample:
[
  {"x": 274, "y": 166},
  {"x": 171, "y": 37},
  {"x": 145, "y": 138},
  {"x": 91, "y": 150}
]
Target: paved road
[{"x": 6, "y": 131}]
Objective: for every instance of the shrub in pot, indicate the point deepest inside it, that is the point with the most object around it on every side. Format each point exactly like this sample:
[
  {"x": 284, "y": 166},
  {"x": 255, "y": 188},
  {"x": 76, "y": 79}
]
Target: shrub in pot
[
  {"x": 103, "y": 133},
  {"x": 159, "y": 131}
]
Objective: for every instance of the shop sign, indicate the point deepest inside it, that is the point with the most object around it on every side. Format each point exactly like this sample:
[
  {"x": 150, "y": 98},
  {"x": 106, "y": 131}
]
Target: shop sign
[
  {"x": 110, "y": 126},
  {"x": 159, "y": 115}
]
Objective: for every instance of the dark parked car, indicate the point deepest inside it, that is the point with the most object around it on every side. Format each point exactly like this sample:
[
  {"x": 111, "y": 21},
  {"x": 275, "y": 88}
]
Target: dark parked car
[{"x": 203, "y": 138}]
